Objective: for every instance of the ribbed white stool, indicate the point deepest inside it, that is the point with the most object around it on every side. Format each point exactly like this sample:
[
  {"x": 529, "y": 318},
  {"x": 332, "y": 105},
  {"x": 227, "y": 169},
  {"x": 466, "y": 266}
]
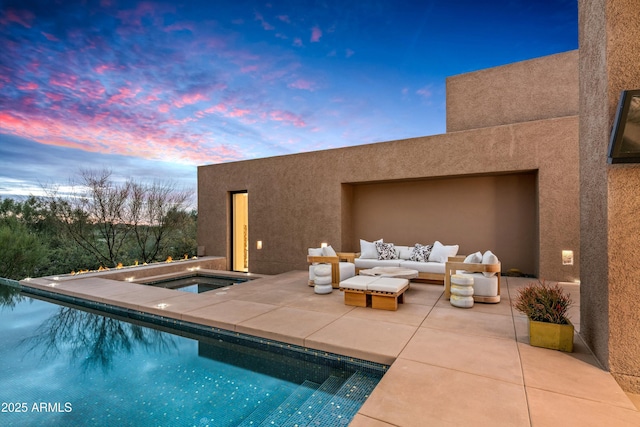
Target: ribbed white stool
[
  {"x": 322, "y": 279},
  {"x": 461, "y": 291}
]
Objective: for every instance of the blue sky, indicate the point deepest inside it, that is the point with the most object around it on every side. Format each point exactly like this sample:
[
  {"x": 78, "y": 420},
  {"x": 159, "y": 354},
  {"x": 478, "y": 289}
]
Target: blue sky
[{"x": 151, "y": 89}]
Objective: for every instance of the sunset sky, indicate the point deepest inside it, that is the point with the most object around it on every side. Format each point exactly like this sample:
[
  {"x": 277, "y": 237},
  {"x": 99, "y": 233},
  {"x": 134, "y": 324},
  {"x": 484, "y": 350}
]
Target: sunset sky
[{"x": 152, "y": 89}]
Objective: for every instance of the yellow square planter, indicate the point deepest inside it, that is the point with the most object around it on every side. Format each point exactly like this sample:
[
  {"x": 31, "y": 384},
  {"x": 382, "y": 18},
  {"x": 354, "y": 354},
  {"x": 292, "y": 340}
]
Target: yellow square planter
[{"x": 551, "y": 335}]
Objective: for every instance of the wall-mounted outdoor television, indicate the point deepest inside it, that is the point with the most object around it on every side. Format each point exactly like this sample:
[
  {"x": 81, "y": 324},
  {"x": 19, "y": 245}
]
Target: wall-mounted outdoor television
[{"x": 624, "y": 146}]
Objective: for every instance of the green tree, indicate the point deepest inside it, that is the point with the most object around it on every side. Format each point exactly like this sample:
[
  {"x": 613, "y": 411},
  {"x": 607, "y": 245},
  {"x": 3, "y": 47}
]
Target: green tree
[{"x": 22, "y": 251}]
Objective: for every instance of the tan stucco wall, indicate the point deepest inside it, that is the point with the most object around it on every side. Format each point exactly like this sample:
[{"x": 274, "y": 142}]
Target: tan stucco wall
[
  {"x": 541, "y": 88},
  {"x": 299, "y": 201},
  {"x": 497, "y": 212},
  {"x": 609, "y": 195}
]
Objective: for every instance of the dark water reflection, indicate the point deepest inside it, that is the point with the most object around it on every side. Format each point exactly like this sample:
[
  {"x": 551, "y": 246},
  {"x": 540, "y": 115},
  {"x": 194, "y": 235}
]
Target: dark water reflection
[
  {"x": 10, "y": 296},
  {"x": 91, "y": 340}
]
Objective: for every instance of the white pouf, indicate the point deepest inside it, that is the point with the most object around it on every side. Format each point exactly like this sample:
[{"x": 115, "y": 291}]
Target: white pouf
[
  {"x": 322, "y": 279},
  {"x": 461, "y": 291}
]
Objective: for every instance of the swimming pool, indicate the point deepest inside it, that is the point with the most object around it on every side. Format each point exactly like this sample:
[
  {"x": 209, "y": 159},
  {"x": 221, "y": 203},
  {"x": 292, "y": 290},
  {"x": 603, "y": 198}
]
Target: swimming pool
[
  {"x": 197, "y": 283},
  {"x": 63, "y": 364}
]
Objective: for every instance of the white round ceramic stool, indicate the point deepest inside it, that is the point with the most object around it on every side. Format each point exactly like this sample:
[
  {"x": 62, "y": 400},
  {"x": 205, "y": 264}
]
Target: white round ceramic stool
[
  {"x": 461, "y": 291},
  {"x": 322, "y": 279}
]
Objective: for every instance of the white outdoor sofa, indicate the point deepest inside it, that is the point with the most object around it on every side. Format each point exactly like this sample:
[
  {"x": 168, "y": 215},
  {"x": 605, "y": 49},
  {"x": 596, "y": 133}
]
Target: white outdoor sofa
[{"x": 432, "y": 269}]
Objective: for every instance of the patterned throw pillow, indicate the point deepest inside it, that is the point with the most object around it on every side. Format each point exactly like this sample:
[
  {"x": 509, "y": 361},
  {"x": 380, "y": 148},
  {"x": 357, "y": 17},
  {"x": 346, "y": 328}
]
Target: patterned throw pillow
[
  {"x": 386, "y": 251},
  {"x": 421, "y": 253}
]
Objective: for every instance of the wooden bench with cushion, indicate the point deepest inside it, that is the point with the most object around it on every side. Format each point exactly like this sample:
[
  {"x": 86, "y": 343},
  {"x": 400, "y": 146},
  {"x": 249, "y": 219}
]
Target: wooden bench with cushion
[{"x": 383, "y": 293}]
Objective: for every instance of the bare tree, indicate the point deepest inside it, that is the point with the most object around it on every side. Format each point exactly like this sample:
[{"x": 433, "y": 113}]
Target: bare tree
[
  {"x": 103, "y": 216},
  {"x": 151, "y": 208},
  {"x": 94, "y": 215}
]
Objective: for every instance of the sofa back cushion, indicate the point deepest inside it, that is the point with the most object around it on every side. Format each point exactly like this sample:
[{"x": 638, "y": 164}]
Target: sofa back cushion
[
  {"x": 368, "y": 249},
  {"x": 328, "y": 251},
  {"x": 441, "y": 253},
  {"x": 404, "y": 252},
  {"x": 489, "y": 258}
]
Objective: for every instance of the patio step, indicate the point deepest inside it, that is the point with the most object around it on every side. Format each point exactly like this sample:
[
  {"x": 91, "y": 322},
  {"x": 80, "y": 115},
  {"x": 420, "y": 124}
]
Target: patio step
[
  {"x": 344, "y": 405},
  {"x": 290, "y": 405},
  {"x": 315, "y": 403}
]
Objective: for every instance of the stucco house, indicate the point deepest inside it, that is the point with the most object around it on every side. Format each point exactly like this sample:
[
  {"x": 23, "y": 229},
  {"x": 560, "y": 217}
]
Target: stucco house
[
  {"x": 504, "y": 177},
  {"x": 522, "y": 170}
]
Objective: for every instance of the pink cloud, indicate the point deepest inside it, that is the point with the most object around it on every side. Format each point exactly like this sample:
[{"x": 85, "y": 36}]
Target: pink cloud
[
  {"x": 349, "y": 53},
  {"x": 179, "y": 26},
  {"x": 287, "y": 117},
  {"x": 237, "y": 112},
  {"x": 303, "y": 84},
  {"x": 284, "y": 18},
  {"x": 297, "y": 42},
  {"x": 218, "y": 108},
  {"x": 54, "y": 97},
  {"x": 22, "y": 17},
  {"x": 124, "y": 94},
  {"x": 189, "y": 99},
  {"x": 50, "y": 37},
  {"x": 425, "y": 92},
  {"x": 134, "y": 17},
  {"x": 64, "y": 80},
  {"x": 164, "y": 108},
  {"x": 100, "y": 69},
  {"x": 28, "y": 86},
  {"x": 249, "y": 68},
  {"x": 94, "y": 136},
  {"x": 265, "y": 24},
  {"x": 316, "y": 33}
]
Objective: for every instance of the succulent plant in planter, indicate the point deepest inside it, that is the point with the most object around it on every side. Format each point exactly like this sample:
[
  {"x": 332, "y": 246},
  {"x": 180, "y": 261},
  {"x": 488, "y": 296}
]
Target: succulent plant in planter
[{"x": 546, "y": 307}]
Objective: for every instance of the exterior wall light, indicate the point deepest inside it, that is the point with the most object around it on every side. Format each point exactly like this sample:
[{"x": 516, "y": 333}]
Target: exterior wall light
[
  {"x": 567, "y": 257},
  {"x": 323, "y": 244},
  {"x": 259, "y": 244}
]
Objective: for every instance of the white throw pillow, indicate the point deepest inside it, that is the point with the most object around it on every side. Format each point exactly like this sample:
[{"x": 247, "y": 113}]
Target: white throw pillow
[
  {"x": 441, "y": 253},
  {"x": 328, "y": 251},
  {"x": 368, "y": 249},
  {"x": 474, "y": 258},
  {"x": 315, "y": 251},
  {"x": 489, "y": 258}
]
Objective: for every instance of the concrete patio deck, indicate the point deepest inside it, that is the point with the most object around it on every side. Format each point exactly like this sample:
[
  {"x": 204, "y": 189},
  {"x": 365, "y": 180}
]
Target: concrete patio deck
[{"x": 449, "y": 366}]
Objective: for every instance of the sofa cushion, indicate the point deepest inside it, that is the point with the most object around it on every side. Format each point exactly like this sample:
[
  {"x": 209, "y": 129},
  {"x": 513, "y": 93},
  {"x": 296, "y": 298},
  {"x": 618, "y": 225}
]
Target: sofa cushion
[
  {"x": 347, "y": 269},
  {"x": 404, "y": 252},
  {"x": 420, "y": 253},
  {"x": 474, "y": 258},
  {"x": 328, "y": 251},
  {"x": 489, "y": 258},
  {"x": 368, "y": 249},
  {"x": 315, "y": 251},
  {"x": 484, "y": 286},
  {"x": 370, "y": 263},
  {"x": 441, "y": 253},
  {"x": 357, "y": 282},
  {"x": 386, "y": 251},
  {"x": 388, "y": 284},
  {"x": 424, "y": 267}
]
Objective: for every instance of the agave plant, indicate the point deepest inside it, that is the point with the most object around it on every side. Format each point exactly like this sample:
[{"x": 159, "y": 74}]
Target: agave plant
[{"x": 544, "y": 303}]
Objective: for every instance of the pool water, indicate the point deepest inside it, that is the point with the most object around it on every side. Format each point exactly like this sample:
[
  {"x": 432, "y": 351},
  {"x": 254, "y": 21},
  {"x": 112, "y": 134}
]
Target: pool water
[
  {"x": 68, "y": 365},
  {"x": 198, "y": 283}
]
